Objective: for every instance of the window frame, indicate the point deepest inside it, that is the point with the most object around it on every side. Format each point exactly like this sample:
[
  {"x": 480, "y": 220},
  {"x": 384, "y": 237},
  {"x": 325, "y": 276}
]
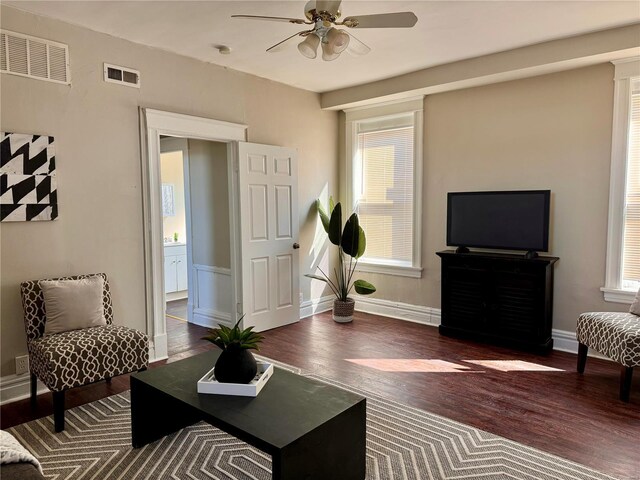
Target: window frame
[
  {"x": 384, "y": 111},
  {"x": 625, "y": 71}
]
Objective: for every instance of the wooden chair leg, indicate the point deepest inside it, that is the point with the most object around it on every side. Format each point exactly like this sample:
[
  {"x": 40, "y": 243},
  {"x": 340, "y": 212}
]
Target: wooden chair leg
[
  {"x": 625, "y": 383},
  {"x": 34, "y": 391},
  {"x": 58, "y": 411},
  {"x": 108, "y": 379},
  {"x": 582, "y": 357}
]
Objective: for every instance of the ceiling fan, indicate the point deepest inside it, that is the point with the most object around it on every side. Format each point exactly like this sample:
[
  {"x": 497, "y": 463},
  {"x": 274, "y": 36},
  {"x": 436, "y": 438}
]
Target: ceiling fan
[{"x": 324, "y": 16}]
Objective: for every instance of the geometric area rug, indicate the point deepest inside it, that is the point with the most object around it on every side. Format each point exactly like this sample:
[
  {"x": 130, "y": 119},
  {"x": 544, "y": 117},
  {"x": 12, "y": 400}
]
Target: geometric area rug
[{"x": 403, "y": 443}]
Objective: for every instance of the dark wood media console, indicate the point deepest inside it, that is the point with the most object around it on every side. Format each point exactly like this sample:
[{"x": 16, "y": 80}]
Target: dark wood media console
[{"x": 499, "y": 298}]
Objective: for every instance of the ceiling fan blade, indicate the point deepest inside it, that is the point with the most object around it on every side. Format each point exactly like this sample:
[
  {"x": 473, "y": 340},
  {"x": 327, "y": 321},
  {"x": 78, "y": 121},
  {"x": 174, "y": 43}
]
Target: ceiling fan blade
[
  {"x": 382, "y": 20},
  {"x": 278, "y": 46},
  {"x": 331, "y": 6},
  {"x": 297, "y": 21},
  {"x": 357, "y": 47}
]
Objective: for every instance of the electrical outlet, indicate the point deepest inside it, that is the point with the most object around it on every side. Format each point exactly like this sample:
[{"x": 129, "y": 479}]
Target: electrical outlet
[{"x": 22, "y": 364}]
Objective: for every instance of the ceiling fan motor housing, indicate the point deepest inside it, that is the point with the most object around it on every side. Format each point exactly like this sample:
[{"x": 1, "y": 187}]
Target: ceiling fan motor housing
[{"x": 326, "y": 11}]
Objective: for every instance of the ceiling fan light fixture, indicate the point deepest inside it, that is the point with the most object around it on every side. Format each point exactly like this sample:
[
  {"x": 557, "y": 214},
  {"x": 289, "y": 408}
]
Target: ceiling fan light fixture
[
  {"x": 323, "y": 16},
  {"x": 328, "y": 53},
  {"x": 309, "y": 46},
  {"x": 338, "y": 40}
]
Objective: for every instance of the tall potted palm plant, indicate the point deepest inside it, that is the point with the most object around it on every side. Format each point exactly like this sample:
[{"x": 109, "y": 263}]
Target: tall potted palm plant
[{"x": 351, "y": 243}]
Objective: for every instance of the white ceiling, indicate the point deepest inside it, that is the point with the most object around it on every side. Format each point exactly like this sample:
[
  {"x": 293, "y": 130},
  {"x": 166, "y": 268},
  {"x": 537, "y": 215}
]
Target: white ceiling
[{"x": 446, "y": 31}]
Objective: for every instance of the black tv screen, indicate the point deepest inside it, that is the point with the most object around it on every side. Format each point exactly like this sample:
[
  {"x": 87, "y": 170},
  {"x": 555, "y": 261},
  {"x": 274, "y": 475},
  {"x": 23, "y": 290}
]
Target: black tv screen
[{"x": 517, "y": 220}]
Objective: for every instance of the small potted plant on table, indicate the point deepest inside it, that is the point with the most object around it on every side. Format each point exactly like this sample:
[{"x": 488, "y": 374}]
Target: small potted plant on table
[
  {"x": 236, "y": 364},
  {"x": 351, "y": 243}
]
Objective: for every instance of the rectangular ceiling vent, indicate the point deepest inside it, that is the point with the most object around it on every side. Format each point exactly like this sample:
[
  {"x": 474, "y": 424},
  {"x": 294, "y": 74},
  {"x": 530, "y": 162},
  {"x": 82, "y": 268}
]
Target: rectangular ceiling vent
[
  {"x": 34, "y": 57},
  {"x": 121, "y": 75}
]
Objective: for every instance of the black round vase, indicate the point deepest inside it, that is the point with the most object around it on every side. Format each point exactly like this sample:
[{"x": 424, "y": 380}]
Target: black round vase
[{"x": 235, "y": 366}]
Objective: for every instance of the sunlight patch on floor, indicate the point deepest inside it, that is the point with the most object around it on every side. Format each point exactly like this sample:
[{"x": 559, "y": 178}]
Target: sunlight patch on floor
[
  {"x": 411, "y": 365},
  {"x": 514, "y": 366}
]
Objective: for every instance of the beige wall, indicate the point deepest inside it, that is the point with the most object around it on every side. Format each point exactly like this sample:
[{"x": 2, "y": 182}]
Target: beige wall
[
  {"x": 208, "y": 182},
  {"x": 548, "y": 132},
  {"x": 172, "y": 172},
  {"x": 98, "y": 159}
]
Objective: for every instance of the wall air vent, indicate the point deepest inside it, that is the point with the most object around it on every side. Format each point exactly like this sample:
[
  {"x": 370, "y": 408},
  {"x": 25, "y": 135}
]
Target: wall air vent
[
  {"x": 34, "y": 57},
  {"x": 121, "y": 75}
]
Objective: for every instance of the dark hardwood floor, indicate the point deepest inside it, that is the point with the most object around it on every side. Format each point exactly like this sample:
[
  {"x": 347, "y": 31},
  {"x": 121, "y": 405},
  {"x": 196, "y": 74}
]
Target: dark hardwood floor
[
  {"x": 177, "y": 309},
  {"x": 539, "y": 401}
]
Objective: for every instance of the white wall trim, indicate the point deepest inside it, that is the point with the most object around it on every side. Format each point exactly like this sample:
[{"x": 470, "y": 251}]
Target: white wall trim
[
  {"x": 316, "y": 305},
  {"x": 563, "y": 340},
  {"x": 414, "y": 107},
  {"x": 206, "y": 317},
  {"x": 17, "y": 387},
  {"x": 212, "y": 269},
  {"x": 210, "y": 317},
  {"x": 181, "y": 125},
  {"x": 624, "y": 71},
  {"x": 153, "y": 123},
  {"x": 402, "y": 311},
  {"x": 618, "y": 295},
  {"x": 170, "y": 297},
  {"x": 397, "y": 270},
  {"x": 158, "y": 348}
]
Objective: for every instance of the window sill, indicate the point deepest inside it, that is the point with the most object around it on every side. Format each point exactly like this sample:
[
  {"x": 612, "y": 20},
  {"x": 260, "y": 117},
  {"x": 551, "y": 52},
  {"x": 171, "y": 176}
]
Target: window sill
[
  {"x": 617, "y": 295},
  {"x": 398, "y": 270}
]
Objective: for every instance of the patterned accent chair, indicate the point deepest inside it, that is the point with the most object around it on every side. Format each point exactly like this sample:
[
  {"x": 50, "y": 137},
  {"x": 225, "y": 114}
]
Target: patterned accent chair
[
  {"x": 77, "y": 357},
  {"x": 615, "y": 335}
]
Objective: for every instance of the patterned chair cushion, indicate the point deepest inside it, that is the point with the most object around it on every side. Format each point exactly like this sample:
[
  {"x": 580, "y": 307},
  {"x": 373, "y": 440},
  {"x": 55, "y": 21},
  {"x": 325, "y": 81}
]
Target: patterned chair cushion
[
  {"x": 75, "y": 358},
  {"x": 33, "y": 304},
  {"x": 614, "y": 334}
]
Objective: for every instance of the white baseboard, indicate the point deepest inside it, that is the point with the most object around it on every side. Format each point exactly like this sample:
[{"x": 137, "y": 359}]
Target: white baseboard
[
  {"x": 158, "y": 349},
  {"x": 403, "y": 311},
  {"x": 317, "y": 305},
  {"x": 170, "y": 297},
  {"x": 17, "y": 387},
  {"x": 211, "y": 318},
  {"x": 563, "y": 340}
]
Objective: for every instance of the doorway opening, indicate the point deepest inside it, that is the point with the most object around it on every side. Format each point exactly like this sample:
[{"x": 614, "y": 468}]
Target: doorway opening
[
  {"x": 243, "y": 266},
  {"x": 195, "y": 138},
  {"x": 195, "y": 220}
]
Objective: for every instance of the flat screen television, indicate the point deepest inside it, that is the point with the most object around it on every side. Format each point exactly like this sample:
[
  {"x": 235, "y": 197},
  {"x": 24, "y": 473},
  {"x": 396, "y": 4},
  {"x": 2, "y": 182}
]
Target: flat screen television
[{"x": 508, "y": 220}]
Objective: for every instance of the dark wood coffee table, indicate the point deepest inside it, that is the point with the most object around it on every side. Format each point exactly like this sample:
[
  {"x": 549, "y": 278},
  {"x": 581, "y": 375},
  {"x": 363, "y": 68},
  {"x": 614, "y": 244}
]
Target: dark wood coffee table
[{"x": 313, "y": 431}]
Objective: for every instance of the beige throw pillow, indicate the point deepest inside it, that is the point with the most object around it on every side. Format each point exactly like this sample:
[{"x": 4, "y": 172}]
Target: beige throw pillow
[
  {"x": 635, "y": 306},
  {"x": 73, "y": 304}
]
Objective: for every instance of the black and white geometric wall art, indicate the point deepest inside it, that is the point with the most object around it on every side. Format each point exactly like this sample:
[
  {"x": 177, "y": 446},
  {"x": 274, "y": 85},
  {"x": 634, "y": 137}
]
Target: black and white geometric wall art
[{"x": 28, "y": 188}]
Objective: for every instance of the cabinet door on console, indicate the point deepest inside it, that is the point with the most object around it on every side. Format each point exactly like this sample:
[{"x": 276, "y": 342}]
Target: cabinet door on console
[
  {"x": 464, "y": 298},
  {"x": 516, "y": 305}
]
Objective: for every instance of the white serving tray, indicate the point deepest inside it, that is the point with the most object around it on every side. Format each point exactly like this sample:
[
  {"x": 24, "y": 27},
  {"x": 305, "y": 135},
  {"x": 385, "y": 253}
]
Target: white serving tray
[{"x": 208, "y": 383}]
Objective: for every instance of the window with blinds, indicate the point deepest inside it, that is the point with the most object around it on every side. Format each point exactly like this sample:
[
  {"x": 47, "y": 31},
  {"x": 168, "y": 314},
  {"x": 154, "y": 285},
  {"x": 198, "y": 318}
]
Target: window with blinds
[
  {"x": 631, "y": 239},
  {"x": 383, "y": 188}
]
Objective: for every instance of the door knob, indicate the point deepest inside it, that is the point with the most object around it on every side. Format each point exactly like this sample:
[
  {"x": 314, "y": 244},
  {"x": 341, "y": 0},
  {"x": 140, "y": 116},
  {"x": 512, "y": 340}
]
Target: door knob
[{"x": 296, "y": 246}]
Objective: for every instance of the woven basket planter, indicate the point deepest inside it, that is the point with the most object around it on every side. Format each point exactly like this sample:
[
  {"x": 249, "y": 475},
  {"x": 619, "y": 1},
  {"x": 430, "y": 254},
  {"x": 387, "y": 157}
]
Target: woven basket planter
[{"x": 343, "y": 310}]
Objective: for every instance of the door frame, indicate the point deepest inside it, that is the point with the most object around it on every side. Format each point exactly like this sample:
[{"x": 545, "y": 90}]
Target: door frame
[{"x": 154, "y": 123}]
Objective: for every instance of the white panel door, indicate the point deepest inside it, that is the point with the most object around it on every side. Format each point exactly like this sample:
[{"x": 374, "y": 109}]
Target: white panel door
[{"x": 269, "y": 232}]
